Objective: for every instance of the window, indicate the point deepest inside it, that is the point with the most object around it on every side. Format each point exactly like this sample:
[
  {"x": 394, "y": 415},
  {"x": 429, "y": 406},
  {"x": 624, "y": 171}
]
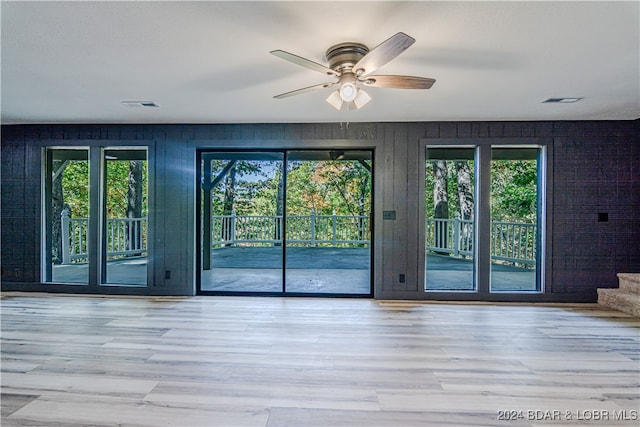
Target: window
[
  {"x": 80, "y": 244},
  {"x": 514, "y": 219},
  {"x": 124, "y": 234},
  {"x": 450, "y": 219},
  {"x": 66, "y": 216},
  {"x": 483, "y": 219}
]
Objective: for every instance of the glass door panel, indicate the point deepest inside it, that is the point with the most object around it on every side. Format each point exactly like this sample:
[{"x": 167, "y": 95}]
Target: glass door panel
[
  {"x": 241, "y": 221},
  {"x": 449, "y": 222},
  {"x": 514, "y": 219},
  {"x": 67, "y": 216},
  {"x": 328, "y": 237},
  {"x": 124, "y": 231}
]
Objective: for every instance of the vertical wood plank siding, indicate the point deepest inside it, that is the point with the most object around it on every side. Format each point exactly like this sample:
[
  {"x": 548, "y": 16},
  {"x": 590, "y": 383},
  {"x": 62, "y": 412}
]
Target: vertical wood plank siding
[{"x": 595, "y": 168}]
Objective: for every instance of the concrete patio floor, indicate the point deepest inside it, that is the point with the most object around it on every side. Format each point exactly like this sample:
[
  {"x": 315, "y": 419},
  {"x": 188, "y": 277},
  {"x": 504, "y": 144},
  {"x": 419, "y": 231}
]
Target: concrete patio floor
[
  {"x": 129, "y": 271},
  {"x": 309, "y": 270},
  {"x": 338, "y": 270},
  {"x": 323, "y": 270}
]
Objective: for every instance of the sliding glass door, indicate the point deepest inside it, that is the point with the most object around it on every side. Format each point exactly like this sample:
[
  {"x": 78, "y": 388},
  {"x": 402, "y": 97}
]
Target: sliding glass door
[
  {"x": 241, "y": 221},
  {"x": 294, "y": 222},
  {"x": 327, "y": 215}
]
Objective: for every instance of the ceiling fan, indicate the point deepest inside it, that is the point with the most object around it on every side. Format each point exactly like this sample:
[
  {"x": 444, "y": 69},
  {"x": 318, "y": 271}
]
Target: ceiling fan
[{"x": 351, "y": 65}]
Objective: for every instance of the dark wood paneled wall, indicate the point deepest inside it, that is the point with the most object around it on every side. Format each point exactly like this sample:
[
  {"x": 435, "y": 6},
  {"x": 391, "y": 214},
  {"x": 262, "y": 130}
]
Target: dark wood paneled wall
[{"x": 595, "y": 168}]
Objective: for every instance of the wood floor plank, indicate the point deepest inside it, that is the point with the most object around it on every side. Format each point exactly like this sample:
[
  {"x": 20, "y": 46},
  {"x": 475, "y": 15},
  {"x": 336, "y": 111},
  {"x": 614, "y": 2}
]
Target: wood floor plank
[{"x": 70, "y": 360}]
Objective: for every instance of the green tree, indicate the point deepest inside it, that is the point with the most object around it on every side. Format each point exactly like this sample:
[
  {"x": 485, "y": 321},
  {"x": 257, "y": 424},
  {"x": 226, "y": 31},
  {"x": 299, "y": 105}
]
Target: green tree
[
  {"x": 75, "y": 181},
  {"x": 121, "y": 188},
  {"x": 134, "y": 203},
  {"x": 514, "y": 190},
  {"x": 239, "y": 183},
  {"x": 57, "y": 206},
  {"x": 306, "y": 190}
]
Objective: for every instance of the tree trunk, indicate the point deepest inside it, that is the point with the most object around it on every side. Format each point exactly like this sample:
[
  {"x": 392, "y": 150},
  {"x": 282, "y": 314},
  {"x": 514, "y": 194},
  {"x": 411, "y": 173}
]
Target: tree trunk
[
  {"x": 57, "y": 206},
  {"x": 465, "y": 196},
  {"x": 229, "y": 191},
  {"x": 364, "y": 183},
  {"x": 134, "y": 205},
  {"x": 229, "y": 201},
  {"x": 441, "y": 203},
  {"x": 465, "y": 190}
]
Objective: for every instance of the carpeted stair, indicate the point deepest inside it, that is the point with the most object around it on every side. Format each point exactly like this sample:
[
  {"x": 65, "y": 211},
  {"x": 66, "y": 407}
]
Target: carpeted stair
[{"x": 626, "y": 298}]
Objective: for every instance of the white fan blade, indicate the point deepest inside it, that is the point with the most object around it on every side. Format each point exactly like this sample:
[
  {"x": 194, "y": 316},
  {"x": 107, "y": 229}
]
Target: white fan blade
[
  {"x": 303, "y": 62},
  {"x": 383, "y": 53},
  {"x": 399, "y": 82},
  {"x": 304, "y": 90}
]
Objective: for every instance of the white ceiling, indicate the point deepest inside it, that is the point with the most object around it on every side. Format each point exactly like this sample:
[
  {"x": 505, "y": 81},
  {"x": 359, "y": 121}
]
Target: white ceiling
[{"x": 209, "y": 62}]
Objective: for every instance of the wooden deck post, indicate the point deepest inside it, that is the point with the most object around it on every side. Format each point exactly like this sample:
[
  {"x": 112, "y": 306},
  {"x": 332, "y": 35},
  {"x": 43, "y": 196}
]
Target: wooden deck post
[
  {"x": 66, "y": 251},
  {"x": 233, "y": 227},
  {"x": 456, "y": 234},
  {"x": 206, "y": 216},
  {"x": 313, "y": 227},
  {"x": 334, "y": 226}
]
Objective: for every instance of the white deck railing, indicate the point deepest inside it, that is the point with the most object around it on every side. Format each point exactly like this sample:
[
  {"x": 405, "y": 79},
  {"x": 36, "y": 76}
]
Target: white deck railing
[
  {"x": 512, "y": 242},
  {"x": 124, "y": 236},
  {"x": 326, "y": 230}
]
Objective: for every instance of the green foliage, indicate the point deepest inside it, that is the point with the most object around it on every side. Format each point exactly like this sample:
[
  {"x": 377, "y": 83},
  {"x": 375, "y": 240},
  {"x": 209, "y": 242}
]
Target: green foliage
[
  {"x": 452, "y": 184},
  {"x": 254, "y": 181},
  {"x": 320, "y": 186},
  {"x": 350, "y": 184},
  {"x": 514, "y": 190},
  {"x": 327, "y": 186},
  {"x": 306, "y": 190},
  {"x": 117, "y": 181},
  {"x": 75, "y": 185}
]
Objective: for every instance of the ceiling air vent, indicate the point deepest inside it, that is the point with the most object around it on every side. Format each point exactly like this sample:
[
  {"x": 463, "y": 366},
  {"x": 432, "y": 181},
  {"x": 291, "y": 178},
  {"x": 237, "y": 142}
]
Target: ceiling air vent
[{"x": 561, "y": 100}]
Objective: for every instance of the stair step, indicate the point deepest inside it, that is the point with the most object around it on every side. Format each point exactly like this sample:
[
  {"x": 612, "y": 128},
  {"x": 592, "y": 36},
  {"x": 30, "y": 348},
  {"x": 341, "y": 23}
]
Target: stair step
[
  {"x": 630, "y": 282},
  {"x": 620, "y": 300}
]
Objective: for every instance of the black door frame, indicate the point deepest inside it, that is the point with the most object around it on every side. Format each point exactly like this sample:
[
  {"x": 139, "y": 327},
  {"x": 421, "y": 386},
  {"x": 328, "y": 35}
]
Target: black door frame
[{"x": 284, "y": 151}]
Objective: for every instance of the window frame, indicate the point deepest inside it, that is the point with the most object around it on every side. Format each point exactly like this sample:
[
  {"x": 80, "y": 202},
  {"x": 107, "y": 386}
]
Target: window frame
[{"x": 482, "y": 220}]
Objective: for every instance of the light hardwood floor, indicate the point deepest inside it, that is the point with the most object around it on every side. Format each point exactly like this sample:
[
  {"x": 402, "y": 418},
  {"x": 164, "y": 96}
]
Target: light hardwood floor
[{"x": 243, "y": 361}]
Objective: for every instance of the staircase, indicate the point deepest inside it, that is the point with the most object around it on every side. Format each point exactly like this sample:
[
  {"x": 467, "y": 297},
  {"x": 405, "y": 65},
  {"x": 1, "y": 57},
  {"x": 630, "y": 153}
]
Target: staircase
[{"x": 626, "y": 298}]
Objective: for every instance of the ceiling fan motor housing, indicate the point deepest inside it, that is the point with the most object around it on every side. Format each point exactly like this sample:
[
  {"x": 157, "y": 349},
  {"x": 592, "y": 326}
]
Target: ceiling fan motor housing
[{"x": 342, "y": 57}]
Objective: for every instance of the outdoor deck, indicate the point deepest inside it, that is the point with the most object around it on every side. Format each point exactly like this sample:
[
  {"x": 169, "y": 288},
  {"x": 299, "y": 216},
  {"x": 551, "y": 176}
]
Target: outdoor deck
[
  {"x": 326, "y": 254},
  {"x": 309, "y": 270}
]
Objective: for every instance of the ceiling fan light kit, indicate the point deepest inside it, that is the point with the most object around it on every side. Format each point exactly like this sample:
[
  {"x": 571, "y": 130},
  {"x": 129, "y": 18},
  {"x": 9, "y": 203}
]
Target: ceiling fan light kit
[
  {"x": 346, "y": 94},
  {"x": 362, "y": 99},
  {"x": 351, "y": 63},
  {"x": 348, "y": 91},
  {"x": 334, "y": 100}
]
